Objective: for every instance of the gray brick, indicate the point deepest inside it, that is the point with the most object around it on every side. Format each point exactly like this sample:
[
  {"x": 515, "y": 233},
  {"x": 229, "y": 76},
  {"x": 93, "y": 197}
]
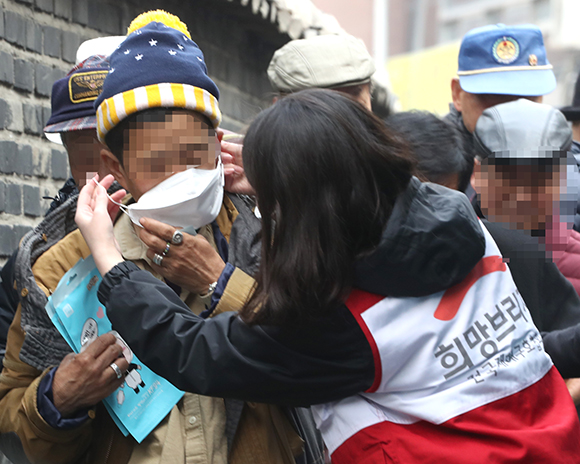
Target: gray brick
[
  {"x": 8, "y": 241},
  {"x": 24, "y": 75},
  {"x": 80, "y": 12},
  {"x": 31, "y": 196},
  {"x": 2, "y": 196},
  {"x": 58, "y": 165},
  {"x": 5, "y": 114},
  {"x": 46, "y": 113},
  {"x": 24, "y": 160},
  {"x": 15, "y": 28},
  {"x": 32, "y": 119},
  {"x": 52, "y": 40},
  {"x": 33, "y": 36},
  {"x": 57, "y": 73},
  {"x": 8, "y": 153},
  {"x": 43, "y": 79},
  {"x": 41, "y": 166},
  {"x": 14, "y": 199},
  {"x": 104, "y": 17},
  {"x": 1, "y": 21},
  {"x": 17, "y": 122},
  {"x": 70, "y": 43},
  {"x": 6, "y": 68},
  {"x": 44, "y": 5},
  {"x": 63, "y": 9}
]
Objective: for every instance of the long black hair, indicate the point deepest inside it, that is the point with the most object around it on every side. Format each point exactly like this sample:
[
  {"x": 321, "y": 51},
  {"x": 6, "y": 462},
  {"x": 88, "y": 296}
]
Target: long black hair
[{"x": 326, "y": 173}]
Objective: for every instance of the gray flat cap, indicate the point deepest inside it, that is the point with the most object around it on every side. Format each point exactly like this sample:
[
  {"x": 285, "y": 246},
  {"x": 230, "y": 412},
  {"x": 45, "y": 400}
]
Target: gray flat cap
[
  {"x": 324, "y": 61},
  {"x": 522, "y": 130}
]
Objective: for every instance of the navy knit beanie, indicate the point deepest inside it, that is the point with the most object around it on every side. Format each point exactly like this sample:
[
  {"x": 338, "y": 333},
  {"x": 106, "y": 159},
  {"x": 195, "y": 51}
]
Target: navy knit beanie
[{"x": 158, "y": 65}]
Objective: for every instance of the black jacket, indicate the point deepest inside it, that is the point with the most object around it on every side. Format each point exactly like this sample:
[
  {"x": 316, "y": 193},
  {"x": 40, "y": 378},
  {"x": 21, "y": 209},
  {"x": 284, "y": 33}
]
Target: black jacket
[
  {"x": 433, "y": 235},
  {"x": 551, "y": 299}
]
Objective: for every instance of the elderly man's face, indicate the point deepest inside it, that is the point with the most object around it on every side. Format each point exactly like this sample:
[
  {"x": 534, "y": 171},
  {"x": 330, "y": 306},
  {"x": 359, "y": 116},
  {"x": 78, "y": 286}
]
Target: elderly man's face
[
  {"x": 154, "y": 151},
  {"x": 522, "y": 196},
  {"x": 472, "y": 105},
  {"x": 84, "y": 159}
]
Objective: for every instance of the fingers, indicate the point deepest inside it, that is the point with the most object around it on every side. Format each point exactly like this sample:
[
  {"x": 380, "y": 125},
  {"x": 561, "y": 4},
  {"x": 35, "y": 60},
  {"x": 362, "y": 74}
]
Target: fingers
[
  {"x": 161, "y": 230},
  {"x": 107, "y": 181},
  {"x": 227, "y": 159},
  {"x": 119, "y": 195},
  {"x": 103, "y": 342},
  {"x": 234, "y": 149},
  {"x": 86, "y": 194},
  {"x": 111, "y": 373},
  {"x": 152, "y": 241}
]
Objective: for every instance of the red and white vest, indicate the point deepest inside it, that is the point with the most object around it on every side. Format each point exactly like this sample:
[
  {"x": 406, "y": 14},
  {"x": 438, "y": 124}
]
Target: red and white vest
[{"x": 460, "y": 376}]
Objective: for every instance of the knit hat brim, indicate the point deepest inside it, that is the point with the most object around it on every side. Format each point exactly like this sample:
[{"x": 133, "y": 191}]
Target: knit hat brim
[{"x": 165, "y": 95}]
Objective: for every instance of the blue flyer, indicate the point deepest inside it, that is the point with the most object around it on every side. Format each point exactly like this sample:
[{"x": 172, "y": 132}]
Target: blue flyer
[{"x": 145, "y": 398}]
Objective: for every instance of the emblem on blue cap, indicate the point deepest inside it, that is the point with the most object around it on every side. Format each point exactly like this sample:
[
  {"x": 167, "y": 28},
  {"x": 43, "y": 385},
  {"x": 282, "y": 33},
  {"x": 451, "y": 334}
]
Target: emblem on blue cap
[{"x": 506, "y": 50}]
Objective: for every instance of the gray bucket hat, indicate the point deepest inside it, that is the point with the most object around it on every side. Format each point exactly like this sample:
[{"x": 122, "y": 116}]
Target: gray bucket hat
[
  {"x": 522, "y": 131},
  {"x": 324, "y": 61}
]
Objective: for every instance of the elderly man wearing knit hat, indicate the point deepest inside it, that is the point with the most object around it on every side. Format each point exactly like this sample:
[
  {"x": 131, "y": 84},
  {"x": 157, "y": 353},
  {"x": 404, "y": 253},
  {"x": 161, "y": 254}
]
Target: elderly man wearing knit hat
[{"x": 157, "y": 115}]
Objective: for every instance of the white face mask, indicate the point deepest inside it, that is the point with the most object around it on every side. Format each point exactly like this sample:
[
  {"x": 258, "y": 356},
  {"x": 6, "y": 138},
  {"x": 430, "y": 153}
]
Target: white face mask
[{"x": 188, "y": 199}]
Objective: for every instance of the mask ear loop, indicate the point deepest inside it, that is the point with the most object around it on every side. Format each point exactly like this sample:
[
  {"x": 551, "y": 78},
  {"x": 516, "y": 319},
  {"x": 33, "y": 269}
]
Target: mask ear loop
[{"x": 122, "y": 206}]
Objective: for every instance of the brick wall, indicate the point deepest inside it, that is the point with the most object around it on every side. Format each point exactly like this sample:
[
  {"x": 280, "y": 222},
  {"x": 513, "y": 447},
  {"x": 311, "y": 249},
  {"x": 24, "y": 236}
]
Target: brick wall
[{"x": 38, "y": 42}]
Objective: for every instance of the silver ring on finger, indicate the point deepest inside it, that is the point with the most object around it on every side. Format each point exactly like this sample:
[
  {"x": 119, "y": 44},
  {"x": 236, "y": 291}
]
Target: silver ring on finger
[
  {"x": 118, "y": 372},
  {"x": 158, "y": 259},
  {"x": 177, "y": 238}
]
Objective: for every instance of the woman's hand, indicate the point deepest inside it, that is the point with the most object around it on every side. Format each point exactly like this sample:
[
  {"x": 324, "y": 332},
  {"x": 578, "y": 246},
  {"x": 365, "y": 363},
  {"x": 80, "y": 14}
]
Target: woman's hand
[
  {"x": 193, "y": 264},
  {"x": 234, "y": 174},
  {"x": 94, "y": 218}
]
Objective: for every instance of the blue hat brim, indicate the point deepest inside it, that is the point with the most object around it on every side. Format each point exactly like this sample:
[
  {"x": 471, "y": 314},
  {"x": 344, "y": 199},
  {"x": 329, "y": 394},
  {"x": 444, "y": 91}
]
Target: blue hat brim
[{"x": 522, "y": 83}]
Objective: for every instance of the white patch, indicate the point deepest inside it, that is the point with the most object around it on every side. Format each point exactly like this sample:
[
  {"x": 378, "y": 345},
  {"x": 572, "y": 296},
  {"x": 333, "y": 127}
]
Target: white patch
[
  {"x": 126, "y": 52},
  {"x": 153, "y": 43},
  {"x": 139, "y": 57},
  {"x": 199, "y": 58},
  {"x": 172, "y": 52},
  {"x": 180, "y": 46}
]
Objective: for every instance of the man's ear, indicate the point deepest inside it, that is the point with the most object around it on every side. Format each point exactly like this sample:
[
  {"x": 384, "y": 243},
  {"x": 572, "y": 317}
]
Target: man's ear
[
  {"x": 112, "y": 165},
  {"x": 456, "y": 93}
]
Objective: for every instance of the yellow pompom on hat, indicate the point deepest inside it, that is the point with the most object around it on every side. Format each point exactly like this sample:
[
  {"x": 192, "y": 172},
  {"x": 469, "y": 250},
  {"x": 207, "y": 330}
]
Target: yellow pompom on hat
[
  {"x": 159, "y": 16},
  {"x": 158, "y": 65}
]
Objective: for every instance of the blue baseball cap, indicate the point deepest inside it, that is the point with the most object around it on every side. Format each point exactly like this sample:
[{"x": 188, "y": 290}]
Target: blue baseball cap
[{"x": 505, "y": 60}]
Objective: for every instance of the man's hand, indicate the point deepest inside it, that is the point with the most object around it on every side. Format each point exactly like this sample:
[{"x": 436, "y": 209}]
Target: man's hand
[
  {"x": 574, "y": 389},
  {"x": 82, "y": 380},
  {"x": 235, "y": 176},
  {"x": 193, "y": 264}
]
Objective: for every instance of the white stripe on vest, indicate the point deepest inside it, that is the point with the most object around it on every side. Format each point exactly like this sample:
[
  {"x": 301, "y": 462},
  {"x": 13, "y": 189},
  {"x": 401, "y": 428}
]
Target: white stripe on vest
[{"x": 442, "y": 355}]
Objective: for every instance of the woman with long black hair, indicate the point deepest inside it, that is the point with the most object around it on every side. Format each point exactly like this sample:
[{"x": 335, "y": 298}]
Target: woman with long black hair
[{"x": 379, "y": 299}]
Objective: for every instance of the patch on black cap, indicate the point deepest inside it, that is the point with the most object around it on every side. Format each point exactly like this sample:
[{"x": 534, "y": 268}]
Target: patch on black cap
[{"x": 86, "y": 86}]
